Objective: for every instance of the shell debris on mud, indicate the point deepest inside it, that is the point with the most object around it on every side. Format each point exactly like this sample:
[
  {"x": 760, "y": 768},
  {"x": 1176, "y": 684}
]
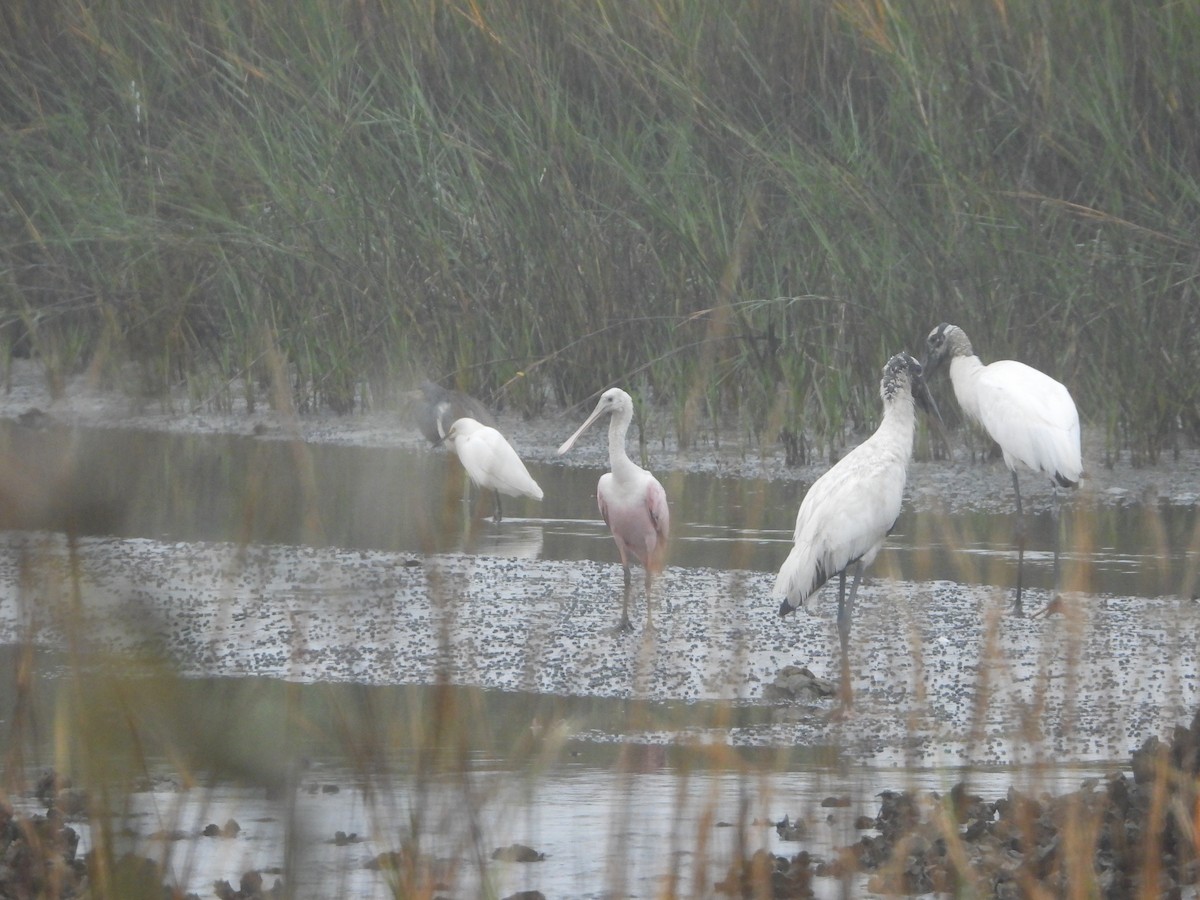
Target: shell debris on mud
[{"x": 941, "y": 676}]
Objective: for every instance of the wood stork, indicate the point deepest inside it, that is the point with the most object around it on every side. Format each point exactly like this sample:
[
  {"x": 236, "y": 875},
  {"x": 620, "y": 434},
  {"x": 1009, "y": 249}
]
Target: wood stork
[
  {"x": 1029, "y": 414},
  {"x": 491, "y": 462},
  {"x": 631, "y": 500},
  {"x": 849, "y": 511},
  {"x": 439, "y": 407}
]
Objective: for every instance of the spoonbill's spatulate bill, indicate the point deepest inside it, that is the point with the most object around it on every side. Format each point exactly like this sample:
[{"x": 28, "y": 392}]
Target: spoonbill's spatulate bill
[
  {"x": 1029, "y": 414},
  {"x": 632, "y": 502},
  {"x": 490, "y": 461},
  {"x": 847, "y": 513}
]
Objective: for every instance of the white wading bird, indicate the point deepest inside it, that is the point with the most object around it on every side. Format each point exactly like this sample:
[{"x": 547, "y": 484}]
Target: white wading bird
[
  {"x": 1029, "y": 414},
  {"x": 632, "y": 502},
  {"x": 847, "y": 513},
  {"x": 490, "y": 461}
]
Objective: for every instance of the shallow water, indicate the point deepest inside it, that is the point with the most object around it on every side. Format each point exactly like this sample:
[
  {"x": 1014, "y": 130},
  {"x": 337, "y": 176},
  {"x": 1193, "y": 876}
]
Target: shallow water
[
  {"x": 612, "y": 818},
  {"x": 581, "y": 817},
  {"x": 587, "y": 803},
  {"x": 245, "y": 489}
]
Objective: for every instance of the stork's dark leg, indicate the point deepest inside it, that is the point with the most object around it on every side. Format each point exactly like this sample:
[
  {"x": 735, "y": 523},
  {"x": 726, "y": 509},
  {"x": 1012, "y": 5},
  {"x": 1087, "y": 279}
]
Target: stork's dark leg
[
  {"x": 844, "y": 641},
  {"x": 844, "y": 626},
  {"x": 498, "y": 515},
  {"x": 1057, "y": 540},
  {"x": 1020, "y": 537},
  {"x": 845, "y": 611},
  {"x": 844, "y": 629}
]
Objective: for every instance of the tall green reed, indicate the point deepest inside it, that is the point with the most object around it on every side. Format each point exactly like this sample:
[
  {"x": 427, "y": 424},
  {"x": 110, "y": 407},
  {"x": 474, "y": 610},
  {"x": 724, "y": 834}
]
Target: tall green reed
[{"x": 537, "y": 201}]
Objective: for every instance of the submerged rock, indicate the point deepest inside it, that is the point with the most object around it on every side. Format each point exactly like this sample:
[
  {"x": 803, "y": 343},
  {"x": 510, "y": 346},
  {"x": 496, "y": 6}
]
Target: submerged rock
[
  {"x": 1108, "y": 839},
  {"x": 799, "y": 685},
  {"x": 517, "y": 853},
  {"x": 767, "y": 875},
  {"x": 790, "y": 831},
  {"x": 249, "y": 888},
  {"x": 1135, "y": 829}
]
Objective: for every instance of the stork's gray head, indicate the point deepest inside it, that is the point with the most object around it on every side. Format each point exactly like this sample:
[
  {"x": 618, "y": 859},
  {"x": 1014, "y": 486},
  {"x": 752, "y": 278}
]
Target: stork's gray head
[
  {"x": 904, "y": 375},
  {"x": 943, "y": 344},
  {"x": 899, "y": 374}
]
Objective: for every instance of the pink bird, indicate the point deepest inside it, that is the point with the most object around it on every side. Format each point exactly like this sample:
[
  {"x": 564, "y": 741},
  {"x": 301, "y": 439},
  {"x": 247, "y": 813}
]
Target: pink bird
[{"x": 632, "y": 502}]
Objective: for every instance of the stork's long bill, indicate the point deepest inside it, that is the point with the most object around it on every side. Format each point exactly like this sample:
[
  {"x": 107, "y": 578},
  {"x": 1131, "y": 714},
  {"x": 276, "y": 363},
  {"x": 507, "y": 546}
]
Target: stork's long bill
[{"x": 925, "y": 402}]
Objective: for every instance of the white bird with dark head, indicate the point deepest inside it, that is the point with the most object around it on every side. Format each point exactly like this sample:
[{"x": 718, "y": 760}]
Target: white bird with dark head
[
  {"x": 631, "y": 500},
  {"x": 848, "y": 512},
  {"x": 437, "y": 408},
  {"x": 1029, "y": 414},
  {"x": 490, "y": 461}
]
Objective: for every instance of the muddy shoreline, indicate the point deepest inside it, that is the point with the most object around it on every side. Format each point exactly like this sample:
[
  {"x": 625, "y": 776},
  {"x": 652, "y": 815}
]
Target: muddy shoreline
[{"x": 968, "y": 482}]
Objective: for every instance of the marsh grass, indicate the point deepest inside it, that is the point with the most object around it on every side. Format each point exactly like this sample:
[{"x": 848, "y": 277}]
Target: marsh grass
[{"x": 745, "y": 207}]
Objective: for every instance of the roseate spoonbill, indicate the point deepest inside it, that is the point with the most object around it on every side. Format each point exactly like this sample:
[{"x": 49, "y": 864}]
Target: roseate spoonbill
[
  {"x": 631, "y": 500},
  {"x": 440, "y": 407},
  {"x": 847, "y": 513},
  {"x": 490, "y": 461},
  {"x": 1029, "y": 414}
]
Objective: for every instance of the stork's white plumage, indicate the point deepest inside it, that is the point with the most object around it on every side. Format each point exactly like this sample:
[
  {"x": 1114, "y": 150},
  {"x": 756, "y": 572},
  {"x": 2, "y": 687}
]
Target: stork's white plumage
[
  {"x": 490, "y": 461},
  {"x": 1029, "y": 414},
  {"x": 632, "y": 501},
  {"x": 847, "y": 513}
]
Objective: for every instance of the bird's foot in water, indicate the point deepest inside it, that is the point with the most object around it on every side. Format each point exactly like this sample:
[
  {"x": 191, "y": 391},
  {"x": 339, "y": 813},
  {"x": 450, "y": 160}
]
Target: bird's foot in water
[
  {"x": 841, "y": 712},
  {"x": 624, "y": 626},
  {"x": 1054, "y": 608},
  {"x": 845, "y": 698}
]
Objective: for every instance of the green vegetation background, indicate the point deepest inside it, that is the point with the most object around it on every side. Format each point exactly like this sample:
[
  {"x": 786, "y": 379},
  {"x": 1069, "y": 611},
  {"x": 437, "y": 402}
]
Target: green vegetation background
[{"x": 735, "y": 208}]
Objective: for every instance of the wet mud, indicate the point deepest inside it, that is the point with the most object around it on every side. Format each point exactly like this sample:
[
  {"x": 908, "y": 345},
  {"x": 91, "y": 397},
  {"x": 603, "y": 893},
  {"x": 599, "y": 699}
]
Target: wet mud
[{"x": 942, "y": 672}]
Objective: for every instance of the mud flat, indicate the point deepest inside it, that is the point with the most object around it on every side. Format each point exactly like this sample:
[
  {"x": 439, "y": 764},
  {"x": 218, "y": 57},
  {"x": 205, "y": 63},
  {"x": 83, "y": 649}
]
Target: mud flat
[{"x": 942, "y": 674}]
